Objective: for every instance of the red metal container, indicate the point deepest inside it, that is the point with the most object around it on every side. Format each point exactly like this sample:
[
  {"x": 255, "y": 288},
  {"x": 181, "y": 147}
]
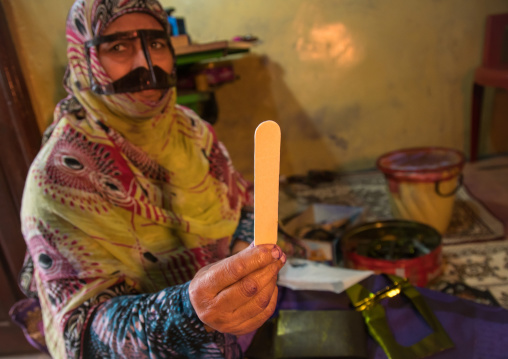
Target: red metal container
[{"x": 404, "y": 248}]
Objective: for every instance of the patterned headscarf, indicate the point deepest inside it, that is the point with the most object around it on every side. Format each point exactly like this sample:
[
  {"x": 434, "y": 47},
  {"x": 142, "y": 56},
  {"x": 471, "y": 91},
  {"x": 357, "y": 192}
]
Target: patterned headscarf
[
  {"x": 124, "y": 194},
  {"x": 86, "y": 20}
]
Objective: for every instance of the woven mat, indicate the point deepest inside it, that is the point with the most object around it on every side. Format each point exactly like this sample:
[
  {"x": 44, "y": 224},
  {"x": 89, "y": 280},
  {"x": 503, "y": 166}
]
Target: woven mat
[
  {"x": 482, "y": 266},
  {"x": 471, "y": 221}
]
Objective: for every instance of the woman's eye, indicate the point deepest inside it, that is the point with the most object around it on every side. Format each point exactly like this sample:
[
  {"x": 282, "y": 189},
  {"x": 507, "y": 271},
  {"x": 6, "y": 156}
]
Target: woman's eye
[
  {"x": 113, "y": 47},
  {"x": 158, "y": 44},
  {"x": 117, "y": 47}
]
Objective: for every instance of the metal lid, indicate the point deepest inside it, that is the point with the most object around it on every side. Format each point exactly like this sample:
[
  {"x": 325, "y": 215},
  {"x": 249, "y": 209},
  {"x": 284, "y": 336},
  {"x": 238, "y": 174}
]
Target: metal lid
[
  {"x": 391, "y": 239},
  {"x": 421, "y": 160}
]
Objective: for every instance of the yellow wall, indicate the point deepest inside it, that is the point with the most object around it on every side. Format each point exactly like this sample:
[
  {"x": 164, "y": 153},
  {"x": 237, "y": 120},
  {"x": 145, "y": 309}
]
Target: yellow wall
[
  {"x": 38, "y": 30},
  {"x": 346, "y": 79}
]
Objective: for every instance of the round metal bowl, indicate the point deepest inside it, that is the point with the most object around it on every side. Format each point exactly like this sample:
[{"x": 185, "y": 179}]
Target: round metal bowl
[{"x": 404, "y": 248}]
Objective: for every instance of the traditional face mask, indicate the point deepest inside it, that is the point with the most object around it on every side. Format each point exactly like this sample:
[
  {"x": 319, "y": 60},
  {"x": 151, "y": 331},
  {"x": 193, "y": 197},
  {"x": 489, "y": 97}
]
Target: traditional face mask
[{"x": 155, "y": 45}]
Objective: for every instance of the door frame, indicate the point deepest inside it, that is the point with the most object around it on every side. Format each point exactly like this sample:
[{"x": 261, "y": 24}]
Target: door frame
[{"x": 20, "y": 140}]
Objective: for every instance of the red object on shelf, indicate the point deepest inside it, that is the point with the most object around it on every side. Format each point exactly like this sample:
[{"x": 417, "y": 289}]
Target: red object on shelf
[
  {"x": 220, "y": 74},
  {"x": 492, "y": 73}
]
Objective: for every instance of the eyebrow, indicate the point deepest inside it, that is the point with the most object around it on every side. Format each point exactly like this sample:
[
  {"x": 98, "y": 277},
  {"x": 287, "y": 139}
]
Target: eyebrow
[{"x": 126, "y": 35}]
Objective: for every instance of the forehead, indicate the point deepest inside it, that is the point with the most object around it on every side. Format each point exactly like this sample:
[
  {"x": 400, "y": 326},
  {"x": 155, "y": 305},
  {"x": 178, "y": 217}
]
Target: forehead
[{"x": 134, "y": 21}]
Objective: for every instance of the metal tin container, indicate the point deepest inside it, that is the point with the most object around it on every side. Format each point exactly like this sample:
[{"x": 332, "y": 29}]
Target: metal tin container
[
  {"x": 422, "y": 183},
  {"x": 404, "y": 248}
]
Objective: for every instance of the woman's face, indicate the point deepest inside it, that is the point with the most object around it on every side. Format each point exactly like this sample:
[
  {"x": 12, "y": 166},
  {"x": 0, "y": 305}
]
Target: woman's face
[{"x": 119, "y": 57}]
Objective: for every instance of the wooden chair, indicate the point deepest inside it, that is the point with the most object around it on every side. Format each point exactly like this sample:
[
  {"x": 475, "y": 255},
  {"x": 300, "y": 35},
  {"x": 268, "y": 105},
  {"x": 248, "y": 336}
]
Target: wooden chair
[{"x": 492, "y": 73}]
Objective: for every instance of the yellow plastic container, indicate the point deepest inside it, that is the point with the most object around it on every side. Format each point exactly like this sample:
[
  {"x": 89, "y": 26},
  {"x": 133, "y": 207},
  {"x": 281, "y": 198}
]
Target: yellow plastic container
[{"x": 422, "y": 183}]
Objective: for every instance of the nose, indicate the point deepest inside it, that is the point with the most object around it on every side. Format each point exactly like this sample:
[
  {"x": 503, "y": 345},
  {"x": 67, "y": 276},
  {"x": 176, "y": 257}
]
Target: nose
[{"x": 139, "y": 59}]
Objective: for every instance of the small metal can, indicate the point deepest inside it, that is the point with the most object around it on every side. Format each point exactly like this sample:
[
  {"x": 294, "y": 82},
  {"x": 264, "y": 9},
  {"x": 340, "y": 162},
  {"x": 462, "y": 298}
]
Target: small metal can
[{"x": 404, "y": 248}]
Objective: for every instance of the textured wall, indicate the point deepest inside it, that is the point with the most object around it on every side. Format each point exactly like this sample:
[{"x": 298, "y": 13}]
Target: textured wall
[
  {"x": 38, "y": 27},
  {"x": 346, "y": 79}
]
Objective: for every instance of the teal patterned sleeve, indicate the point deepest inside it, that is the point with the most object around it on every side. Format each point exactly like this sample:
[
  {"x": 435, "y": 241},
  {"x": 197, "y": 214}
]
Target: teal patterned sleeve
[
  {"x": 245, "y": 229},
  {"x": 156, "y": 325}
]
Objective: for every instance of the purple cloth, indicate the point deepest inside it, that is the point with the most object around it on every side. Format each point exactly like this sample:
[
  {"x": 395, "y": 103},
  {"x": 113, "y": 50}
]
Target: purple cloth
[
  {"x": 477, "y": 330},
  {"x": 27, "y": 314}
]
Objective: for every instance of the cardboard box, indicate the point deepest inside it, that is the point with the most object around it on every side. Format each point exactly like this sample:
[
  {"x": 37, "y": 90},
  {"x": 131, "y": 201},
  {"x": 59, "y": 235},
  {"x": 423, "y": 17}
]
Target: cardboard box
[{"x": 319, "y": 227}]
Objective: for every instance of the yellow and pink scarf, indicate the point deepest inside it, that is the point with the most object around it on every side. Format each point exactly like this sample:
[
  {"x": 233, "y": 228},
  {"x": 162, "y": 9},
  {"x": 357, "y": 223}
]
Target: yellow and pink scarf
[{"x": 122, "y": 191}]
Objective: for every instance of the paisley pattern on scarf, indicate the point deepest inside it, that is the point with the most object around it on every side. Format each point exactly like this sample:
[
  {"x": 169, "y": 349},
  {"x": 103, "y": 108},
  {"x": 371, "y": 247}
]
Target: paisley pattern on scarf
[{"x": 124, "y": 203}]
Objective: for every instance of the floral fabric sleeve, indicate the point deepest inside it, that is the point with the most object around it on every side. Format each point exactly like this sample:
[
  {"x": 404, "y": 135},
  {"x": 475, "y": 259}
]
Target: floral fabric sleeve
[{"x": 157, "y": 325}]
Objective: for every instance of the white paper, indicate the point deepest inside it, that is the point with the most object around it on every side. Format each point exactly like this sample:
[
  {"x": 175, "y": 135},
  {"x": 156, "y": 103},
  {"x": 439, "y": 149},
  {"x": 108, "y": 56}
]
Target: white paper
[{"x": 303, "y": 274}]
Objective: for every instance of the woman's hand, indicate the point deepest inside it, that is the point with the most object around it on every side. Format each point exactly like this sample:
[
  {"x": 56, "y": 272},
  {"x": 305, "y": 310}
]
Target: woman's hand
[{"x": 238, "y": 294}]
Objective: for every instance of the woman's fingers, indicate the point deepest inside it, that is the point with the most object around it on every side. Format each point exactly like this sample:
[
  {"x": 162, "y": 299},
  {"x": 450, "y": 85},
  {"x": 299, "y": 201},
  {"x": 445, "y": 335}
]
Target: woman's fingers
[
  {"x": 232, "y": 319},
  {"x": 257, "y": 303},
  {"x": 252, "y": 323},
  {"x": 232, "y": 269},
  {"x": 238, "y": 293},
  {"x": 249, "y": 287}
]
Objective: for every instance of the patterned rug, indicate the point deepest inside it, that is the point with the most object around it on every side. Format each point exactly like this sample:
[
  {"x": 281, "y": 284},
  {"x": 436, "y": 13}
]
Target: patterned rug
[
  {"x": 481, "y": 267},
  {"x": 471, "y": 221},
  {"x": 475, "y": 249}
]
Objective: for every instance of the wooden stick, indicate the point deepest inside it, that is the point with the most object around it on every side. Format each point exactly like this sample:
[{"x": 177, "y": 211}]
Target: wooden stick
[{"x": 266, "y": 182}]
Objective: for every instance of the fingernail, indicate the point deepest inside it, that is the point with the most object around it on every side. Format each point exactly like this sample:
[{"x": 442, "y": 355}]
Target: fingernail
[
  {"x": 283, "y": 259},
  {"x": 276, "y": 252}
]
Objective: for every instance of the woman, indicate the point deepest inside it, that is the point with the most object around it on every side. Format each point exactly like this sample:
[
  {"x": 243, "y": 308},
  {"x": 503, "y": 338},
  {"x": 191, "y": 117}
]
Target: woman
[{"x": 130, "y": 207}]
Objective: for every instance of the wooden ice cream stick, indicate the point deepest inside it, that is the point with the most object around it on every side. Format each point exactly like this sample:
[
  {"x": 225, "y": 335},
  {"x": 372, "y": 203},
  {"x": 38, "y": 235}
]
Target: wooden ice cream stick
[{"x": 266, "y": 182}]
